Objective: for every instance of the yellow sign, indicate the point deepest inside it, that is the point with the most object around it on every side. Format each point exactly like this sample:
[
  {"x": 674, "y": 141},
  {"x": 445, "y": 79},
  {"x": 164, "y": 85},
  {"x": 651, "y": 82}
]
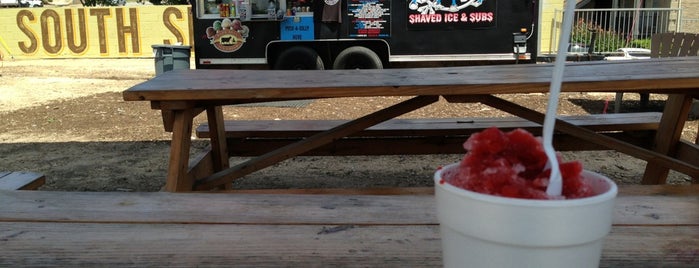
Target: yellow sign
[{"x": 107, "y": 32}]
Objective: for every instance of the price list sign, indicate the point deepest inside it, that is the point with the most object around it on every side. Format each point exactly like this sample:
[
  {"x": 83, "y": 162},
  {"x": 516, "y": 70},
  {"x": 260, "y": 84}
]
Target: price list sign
[{"x": 369, "y": 18}]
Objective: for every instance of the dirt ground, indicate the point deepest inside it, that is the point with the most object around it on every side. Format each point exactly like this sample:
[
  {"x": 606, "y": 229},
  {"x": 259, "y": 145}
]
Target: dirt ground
[{"x": 67, "y": 119}]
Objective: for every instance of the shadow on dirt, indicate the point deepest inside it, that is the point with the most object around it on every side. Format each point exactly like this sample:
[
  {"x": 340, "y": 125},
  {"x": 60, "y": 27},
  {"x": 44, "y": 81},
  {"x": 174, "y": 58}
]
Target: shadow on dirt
[
  {"x": 91, "y": 166},
  {"x": 141, "y": 166},
  {"x": 627, "y": 106}
]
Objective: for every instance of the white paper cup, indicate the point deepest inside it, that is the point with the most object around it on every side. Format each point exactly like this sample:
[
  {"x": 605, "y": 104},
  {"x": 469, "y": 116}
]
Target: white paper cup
[{"x": 480, "y": 230}]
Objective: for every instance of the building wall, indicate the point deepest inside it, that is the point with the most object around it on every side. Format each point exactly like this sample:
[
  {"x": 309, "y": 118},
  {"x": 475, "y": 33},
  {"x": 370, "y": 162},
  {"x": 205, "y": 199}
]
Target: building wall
[
  {"x": 547, "y": 23},
  {"x": 690, "y": 15}
]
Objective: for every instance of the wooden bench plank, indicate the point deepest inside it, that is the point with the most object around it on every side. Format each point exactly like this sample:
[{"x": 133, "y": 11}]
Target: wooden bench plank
[
  {"x": 193, "y": 245},
  {"x": 341, "y": 191},
  {"x": 197, "y": 245},
  {"x": 645, "y": 190},
  {"x": 292, "y": 208},
  {"x": 214, "y": 208},
  {"x": 422, "y": 136},
  {"x": 427, "y": 127},
  {"x": 648, "y": 246},
  {"x": 20, "y": 180},
  {"x": 659, "y": 189},
  {"x": 410, "y": 145},
  {"x": 114, "y": 229}
]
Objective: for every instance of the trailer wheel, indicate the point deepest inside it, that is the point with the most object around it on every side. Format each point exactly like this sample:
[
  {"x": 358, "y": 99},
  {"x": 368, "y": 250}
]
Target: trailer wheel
[
  {"x": 357, "y": 57},
  {"x": 299, "y": 58}
]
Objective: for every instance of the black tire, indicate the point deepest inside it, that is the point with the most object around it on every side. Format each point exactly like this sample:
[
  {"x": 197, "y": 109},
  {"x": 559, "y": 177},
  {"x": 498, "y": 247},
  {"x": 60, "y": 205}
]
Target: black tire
[
  {"x": 357, "y": 57},
  {"x": 299, "y": 58}
]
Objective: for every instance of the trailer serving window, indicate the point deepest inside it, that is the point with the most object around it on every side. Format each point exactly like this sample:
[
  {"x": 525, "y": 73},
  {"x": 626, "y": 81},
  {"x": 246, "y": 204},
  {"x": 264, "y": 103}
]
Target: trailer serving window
[
  {"x": 245, "y": 10},
  {"x": 208, "y": 8}
]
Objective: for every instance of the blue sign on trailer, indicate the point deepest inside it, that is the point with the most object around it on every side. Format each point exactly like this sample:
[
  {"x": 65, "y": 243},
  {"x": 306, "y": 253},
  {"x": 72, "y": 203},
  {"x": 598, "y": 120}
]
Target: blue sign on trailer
[{"x": 297, "y": 28}]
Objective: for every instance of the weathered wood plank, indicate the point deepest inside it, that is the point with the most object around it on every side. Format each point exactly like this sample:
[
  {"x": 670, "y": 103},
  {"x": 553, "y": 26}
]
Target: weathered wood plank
[
  {"x": 422, "y": 136},
  {"x": 222, "y": 86},
  {"x": 674, "y": 44},
  {"x": 342, "y": 191},
  {"x": 20, "y": 180},
  {"x": 414, "y": 145},
  {"x": 289, "y": 208},
  {"x": 650, "y": 246},
  {"x": 662, "y": 189},
  {"x": 654, "y": 226},
  {"x": 193, "y": 245},
  {"x": 215, "y": 208},
  {"x": 624, "y": 190},
  {"x": 230, "y": 245},
  {"x": 428, "y": 127}
]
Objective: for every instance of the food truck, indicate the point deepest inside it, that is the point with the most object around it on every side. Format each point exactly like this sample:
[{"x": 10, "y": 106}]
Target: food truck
[{"x": 362, "y": 34}]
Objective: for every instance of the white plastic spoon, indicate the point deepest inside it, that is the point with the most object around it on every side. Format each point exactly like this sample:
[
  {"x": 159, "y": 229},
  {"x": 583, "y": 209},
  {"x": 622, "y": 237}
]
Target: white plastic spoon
[{"x": 555, "y": 186}]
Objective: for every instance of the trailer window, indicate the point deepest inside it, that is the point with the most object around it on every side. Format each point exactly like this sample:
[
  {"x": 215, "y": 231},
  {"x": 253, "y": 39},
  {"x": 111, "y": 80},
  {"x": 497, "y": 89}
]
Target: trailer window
[
  {"x": 243, "y": 9},
  {"x": 209, "y": 8},
  {"x": 265, "y": 9}
]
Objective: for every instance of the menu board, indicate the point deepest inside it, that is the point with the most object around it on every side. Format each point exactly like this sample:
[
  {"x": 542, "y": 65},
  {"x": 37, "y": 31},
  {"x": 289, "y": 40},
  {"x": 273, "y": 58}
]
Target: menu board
[{"x": 369, "y": 18}]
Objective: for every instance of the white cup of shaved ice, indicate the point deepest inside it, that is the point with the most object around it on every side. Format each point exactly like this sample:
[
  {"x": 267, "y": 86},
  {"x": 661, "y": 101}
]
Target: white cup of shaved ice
[{"x": 482, "y": 230}]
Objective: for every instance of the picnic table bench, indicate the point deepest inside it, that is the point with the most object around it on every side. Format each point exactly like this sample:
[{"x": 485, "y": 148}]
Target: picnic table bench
[
  {"x": 21, "y": 180},
  {"x": 653, "y": 226},
  {"x": 183, "y": 94},
  {"x": 422, "y": 136}
]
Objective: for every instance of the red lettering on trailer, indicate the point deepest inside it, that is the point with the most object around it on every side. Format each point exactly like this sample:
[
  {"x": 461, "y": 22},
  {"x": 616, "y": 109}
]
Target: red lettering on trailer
[
  {"x": 425, "y": 18},
  {"x": 451, "y": 17},
  {"x": 482, "y": 16}
]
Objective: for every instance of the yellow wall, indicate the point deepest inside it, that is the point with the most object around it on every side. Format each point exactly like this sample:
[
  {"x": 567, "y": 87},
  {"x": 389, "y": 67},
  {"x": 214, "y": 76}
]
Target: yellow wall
[
  {"x": 546, "y": 26},
  {"x": 98, "y": 32}
]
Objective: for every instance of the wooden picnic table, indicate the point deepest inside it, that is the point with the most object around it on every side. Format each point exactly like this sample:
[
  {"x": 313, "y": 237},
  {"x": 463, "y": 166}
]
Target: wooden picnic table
[
  {"x": 183, "y": 94},
  {"x": 653, "y": 226}
]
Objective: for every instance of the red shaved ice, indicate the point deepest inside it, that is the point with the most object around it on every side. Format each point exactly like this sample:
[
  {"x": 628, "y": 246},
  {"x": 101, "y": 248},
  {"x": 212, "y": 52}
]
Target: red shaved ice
[{"x": 513, "y": 164}]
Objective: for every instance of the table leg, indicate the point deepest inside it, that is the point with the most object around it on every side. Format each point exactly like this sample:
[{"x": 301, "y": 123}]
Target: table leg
[
  {"x": 617, "y": 102},
  {"x": 178, "y": 179},
  {"x": 219, "y": 149},
  {"x": 669, "y": 133}
]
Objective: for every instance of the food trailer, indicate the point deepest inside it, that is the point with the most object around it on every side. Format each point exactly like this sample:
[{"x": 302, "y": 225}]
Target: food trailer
[{"x": 364, "y": 34}]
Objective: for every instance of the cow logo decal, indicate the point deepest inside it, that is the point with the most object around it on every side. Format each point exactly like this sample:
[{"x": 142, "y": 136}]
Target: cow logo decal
[{"x": 227, "y": 35}]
